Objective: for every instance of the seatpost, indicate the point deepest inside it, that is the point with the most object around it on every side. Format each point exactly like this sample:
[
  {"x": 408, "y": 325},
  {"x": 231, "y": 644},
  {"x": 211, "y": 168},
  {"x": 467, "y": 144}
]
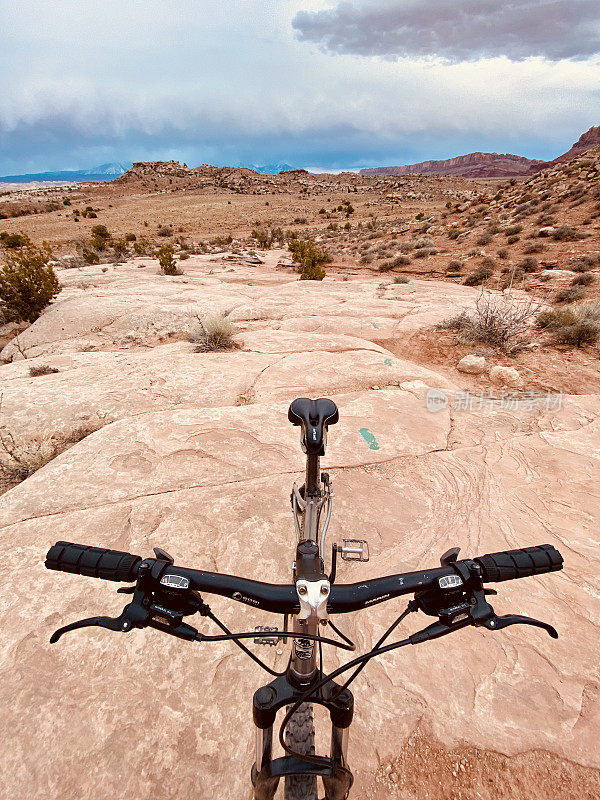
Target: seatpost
[{"x": 312, "y": 482}]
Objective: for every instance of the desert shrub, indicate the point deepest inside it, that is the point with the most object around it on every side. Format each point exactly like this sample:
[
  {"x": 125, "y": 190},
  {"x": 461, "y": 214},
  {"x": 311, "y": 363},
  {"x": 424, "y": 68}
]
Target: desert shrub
[
  {"x": 500, "y": 321},
  {"x": 566, "y": 233},
  {"x": 211, "y": 332},
  {"x": 455, "y": 266},
  {"x": 130, "y": 237},
  {"x": 489, "y": 263},
  {"x": 424, "y": 252},
  {"x": 166, "y": 260},
  {"x": 120, "y": 248},
  {"x": 20, "y": 458},
  {"x": 581, "y": 332},
  {"x": 534, "y": 247},
  {"x": 401, "y": 261},
  {"x": 142, "y": 247},
  {"x": 309, "y": 258},
  {"x": 553, "y": 318},
  {"x": 184, "y": 256},
  {"x": 423, "y": 242},
  {"x": 299, "y": 221},
  {"x": 401, "y": 279},
  {"x": 454, "y": 233},
  {"x": 579, "y": 266},
  {"x": 478, "y": 277},
  {"x": 513, "y": 239},
  {"x": 222, "y": 241},
  {"x": 164, "y": 230},
  {"x": 512, "y": 230},
  {"x": 485, "y": 238},
  {"x": 584, "y": 279},
  {"x": 529, "y": 264},
  {"x": 457, "y": 323},
  {"x": 570, "y": 295},
  {"x": 41, "y": 369},
  {"x": 11, "y": 241},
  {"x": 263, "y": 238},
  {"x": 101, "y": 232},
  {"x": 27, "y": 282},
  {"x": 503, "y": 253},
  {"x": 90, "y": 256}
]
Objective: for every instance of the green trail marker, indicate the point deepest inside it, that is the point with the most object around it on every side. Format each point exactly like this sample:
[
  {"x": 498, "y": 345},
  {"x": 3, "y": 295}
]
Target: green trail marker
[
  {"x": 375, "y": 325},
  {"x": 369, "y": 438},
  {"x": 388, "y": 362}
]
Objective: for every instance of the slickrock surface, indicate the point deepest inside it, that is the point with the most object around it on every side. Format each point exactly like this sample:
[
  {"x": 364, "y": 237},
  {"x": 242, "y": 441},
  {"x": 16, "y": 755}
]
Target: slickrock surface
[{"x": 198, "y": 457}]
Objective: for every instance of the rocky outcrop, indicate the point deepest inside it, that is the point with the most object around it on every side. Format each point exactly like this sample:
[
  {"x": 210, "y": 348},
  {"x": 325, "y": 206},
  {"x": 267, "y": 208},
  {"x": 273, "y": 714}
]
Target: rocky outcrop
[
  {"x": 143, "y": 170},
  {"x": 586, "y": 142}
]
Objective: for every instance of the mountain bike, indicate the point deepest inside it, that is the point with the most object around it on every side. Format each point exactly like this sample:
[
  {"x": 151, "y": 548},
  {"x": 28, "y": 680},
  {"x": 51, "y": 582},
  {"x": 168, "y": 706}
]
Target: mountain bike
[{"x": 163, "y": 594}]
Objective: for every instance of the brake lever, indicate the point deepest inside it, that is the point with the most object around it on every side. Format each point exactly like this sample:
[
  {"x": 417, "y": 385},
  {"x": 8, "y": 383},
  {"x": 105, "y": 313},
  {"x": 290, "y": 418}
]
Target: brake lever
[
  {"x": 132, "y": 616},
  {"x": 496, "y": 623}
]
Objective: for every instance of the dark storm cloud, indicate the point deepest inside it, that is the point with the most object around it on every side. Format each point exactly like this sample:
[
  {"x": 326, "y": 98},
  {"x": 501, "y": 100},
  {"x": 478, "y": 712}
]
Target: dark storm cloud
[{"x": 457, "y": 30}]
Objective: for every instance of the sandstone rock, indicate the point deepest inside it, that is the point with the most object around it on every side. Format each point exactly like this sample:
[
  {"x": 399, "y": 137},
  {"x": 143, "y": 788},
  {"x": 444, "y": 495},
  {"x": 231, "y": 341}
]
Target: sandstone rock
[
  {"x": 184, "y": 468},
  {"x": 472, "y": 364},
  {"x": 506, "y": 376}
]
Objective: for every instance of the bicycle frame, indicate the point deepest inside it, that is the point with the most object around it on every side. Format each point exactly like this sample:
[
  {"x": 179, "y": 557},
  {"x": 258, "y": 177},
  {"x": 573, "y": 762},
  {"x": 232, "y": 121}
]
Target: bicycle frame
[
  {"x": 302, "y": 670},
  {"x": 163, "y": 594}
]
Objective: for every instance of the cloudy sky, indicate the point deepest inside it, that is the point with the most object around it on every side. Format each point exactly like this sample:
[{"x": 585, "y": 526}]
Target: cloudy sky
[{"x": 315, "y": 83}]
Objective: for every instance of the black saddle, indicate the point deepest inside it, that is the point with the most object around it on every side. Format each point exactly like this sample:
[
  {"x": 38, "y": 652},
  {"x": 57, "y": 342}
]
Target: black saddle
[{"x": 314, "y": 416}]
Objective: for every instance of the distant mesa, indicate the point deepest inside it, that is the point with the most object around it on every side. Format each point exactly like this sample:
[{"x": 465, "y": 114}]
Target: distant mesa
[
  {"x": 473, "y": 165},
  {"x": 99, "y": 174},
  {"x": 489, "y": 165}
]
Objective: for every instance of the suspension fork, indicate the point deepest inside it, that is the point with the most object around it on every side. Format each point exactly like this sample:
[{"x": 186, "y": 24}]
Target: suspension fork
[{"x": 266, "y": 771}]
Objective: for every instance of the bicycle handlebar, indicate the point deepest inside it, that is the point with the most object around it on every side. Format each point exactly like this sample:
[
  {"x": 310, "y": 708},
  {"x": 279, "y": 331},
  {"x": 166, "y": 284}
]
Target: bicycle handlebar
[{"x": 282, "y": 598}]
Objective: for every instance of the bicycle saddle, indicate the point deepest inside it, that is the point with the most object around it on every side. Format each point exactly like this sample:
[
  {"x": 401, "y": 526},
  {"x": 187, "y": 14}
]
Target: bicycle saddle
[{"x": 314, "y": 416}]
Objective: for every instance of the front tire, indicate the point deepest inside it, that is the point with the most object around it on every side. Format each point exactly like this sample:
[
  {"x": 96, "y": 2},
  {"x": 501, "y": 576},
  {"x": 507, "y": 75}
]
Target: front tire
[{"x": 300, "y": 736}]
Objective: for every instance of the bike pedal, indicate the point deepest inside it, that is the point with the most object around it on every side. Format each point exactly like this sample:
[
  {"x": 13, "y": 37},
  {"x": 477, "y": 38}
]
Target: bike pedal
[
  {"x": 265, "y": 630},
  {"x": 355, "y": 550}
]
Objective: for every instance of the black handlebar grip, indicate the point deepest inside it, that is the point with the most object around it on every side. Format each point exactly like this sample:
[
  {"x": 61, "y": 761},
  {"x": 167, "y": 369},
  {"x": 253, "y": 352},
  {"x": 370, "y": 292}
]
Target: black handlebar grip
[
  {"x": 520, "y": 563},
  {"x": 95, "y": 562}
]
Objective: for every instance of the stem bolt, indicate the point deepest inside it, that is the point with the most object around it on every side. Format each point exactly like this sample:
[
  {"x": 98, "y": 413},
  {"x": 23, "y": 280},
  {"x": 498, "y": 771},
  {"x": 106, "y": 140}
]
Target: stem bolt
[
  {"x": 302, "y": 589},
  {"x": 324, "y": 590}
]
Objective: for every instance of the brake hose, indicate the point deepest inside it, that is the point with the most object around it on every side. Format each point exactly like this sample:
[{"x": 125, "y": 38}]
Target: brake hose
[
  {"x": 361, "y": 662},
  {"x": 235, "y": 637}
]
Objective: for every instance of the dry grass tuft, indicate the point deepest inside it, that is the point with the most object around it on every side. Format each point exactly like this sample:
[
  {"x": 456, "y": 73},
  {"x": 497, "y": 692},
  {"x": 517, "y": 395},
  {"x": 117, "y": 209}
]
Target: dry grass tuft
[
  {"x": 41, "y": 369},
  {"x": 20, "y": 458},
  {"x": 211, "y": 332}
]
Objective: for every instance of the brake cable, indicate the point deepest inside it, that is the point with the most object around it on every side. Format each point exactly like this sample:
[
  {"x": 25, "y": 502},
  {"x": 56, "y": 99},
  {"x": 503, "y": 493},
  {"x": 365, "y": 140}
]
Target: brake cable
[
  {"x": 359, "y": 661},
  {"x": 243, "y": 647},
  {"x": 409, "y": 608}
]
